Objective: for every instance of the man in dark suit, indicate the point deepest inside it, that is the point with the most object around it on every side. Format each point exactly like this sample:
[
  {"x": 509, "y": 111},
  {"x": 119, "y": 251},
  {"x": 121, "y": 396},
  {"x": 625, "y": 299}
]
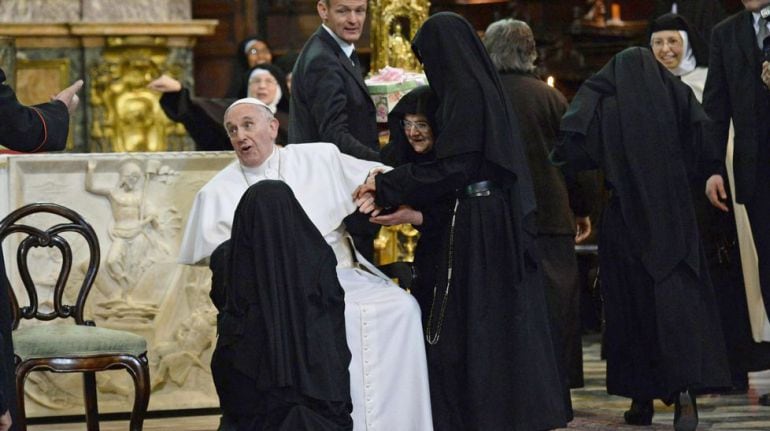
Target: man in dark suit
[
  {"x": 25, "y": 128},
  {"x": 735, "y": 91},
  {"x": 330, "y": 101}
]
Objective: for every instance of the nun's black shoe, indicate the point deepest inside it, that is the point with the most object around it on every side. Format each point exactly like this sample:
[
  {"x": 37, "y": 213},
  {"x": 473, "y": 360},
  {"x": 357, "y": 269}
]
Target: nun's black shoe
[
  {"x": 640, "y": 413},
  {"x": 685, "y": 412}
]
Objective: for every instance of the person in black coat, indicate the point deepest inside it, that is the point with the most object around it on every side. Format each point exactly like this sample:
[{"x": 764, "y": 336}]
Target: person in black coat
[
  {"x": 330, "y": 101},
  {"x": 491, "y": 361},
  {"x": 281, "y": 359},
  {"x": 42, "y": 127},
  {"x": 735, "y": 92},
  {"x": 539, "y": 108},
  {"x": 642, "y": 127}
]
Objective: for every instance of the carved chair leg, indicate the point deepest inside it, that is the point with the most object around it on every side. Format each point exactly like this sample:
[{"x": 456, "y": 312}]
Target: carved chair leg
[
  {"x": 91, "y": 403},
  {"x": 21, "y": 418},
  {"x": 140, "y": 372}
]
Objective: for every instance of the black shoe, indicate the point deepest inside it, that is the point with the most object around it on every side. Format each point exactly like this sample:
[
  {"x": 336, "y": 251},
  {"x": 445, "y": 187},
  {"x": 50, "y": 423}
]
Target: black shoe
[
  {"x": 764, "y": 400},
  {"x": 685, "y": 412},
  {"x": 640, "y": 413}
]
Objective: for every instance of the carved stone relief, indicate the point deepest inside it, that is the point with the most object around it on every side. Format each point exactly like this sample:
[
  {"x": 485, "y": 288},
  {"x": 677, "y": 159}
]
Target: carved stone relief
[{"x": 138, "y": 204}]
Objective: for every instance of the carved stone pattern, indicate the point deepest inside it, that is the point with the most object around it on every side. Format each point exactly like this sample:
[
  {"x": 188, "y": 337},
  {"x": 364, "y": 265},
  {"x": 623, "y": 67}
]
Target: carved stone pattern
[{"x": 138, "y": 204}]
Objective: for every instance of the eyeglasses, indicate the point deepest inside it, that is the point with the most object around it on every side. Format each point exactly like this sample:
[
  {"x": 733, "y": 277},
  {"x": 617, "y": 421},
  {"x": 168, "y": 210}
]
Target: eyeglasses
[
  {"x": 421, "y": 126},
  {"x": 255, "y": 51}
]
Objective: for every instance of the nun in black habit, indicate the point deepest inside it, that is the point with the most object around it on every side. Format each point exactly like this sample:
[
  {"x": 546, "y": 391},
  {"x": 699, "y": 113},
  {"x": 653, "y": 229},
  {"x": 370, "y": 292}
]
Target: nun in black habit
[
  {"x": 719, "y": 233},
  {"x": 491, "y": 361},
  {"x": 641, "y": 126},
  {"x": 430, "y": 220},
  {"x": 281, "y": 360}
]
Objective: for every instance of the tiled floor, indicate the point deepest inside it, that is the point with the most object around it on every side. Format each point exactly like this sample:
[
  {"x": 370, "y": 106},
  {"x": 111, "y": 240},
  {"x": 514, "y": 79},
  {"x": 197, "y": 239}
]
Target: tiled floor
[
  {"x": 594, "y": 409},
  {"x": 597, "y": 411}
]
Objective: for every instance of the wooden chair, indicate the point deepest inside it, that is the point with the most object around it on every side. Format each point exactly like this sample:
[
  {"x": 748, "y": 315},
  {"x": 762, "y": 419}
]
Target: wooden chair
[{"x": 66, "y": 348}]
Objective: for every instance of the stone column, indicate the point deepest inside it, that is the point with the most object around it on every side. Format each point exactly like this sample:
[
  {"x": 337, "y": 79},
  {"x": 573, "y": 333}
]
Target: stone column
[{"x": 8, "y": 59}]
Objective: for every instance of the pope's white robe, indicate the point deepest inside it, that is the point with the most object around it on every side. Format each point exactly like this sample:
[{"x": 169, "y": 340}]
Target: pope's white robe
[{"x": 388, "y": 371}]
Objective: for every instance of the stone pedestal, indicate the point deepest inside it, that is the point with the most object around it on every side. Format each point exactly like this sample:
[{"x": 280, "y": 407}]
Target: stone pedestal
[{"x": 8, "y": 59}]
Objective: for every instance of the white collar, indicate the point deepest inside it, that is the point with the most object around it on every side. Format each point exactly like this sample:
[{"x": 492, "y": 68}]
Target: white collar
[
  {"x": 347, "y": 48},
  {"x": 268, "y": 169}
]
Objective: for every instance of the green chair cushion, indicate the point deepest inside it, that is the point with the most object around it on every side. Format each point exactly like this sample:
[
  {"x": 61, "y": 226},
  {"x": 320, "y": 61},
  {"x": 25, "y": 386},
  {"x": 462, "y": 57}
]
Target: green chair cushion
[{"x": 55, "y": 340}]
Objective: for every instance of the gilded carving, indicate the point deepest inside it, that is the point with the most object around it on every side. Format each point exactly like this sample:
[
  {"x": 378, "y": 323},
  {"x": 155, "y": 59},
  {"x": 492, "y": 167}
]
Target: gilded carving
[
  {"x": 395, "y": 244},
  {"x": 394, "y": 24},
  {"x": 126, "y": 115}
]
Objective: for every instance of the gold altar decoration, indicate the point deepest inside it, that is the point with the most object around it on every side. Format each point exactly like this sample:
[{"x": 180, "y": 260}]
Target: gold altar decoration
[
  {"x": 394, "y": 24},
  {"x": 37, "y": 80},
  {"x": 395, "y": 244},
  {"x": 126, "y": 115}
]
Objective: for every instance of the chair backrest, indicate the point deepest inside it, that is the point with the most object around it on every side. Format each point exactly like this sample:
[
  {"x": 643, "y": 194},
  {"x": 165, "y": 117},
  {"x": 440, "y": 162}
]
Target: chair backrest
[{"x": 33, "y": 236}]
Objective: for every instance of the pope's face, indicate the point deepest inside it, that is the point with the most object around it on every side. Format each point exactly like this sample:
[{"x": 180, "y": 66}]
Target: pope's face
[
  {"x": 668, "y": 48},
  {"x": 251, "y": 133},
  {"x": 344, "y": 17}
]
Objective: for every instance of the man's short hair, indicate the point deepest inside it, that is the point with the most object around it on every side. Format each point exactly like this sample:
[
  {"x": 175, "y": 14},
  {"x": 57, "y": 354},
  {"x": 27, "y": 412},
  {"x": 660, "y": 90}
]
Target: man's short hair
[{"x": 511, "y": 45}]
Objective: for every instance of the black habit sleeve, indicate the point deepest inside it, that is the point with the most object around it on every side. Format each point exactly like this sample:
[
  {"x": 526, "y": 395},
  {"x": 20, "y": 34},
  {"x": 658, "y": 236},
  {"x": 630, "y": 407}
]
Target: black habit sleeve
[
  {"x": 202, "y": 118},
  {"x": 420, "y": 185},
  {"x": 42, "y": 127}
]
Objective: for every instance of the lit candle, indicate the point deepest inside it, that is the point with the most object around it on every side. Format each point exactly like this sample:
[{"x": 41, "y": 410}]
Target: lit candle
[
  {"x": 615, "y": 9},
  {"x": 550, "y": 81}
]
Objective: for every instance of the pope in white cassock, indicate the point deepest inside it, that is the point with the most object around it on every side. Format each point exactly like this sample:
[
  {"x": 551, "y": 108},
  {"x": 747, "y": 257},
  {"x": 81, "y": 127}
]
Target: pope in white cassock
[{"x": 388, "y": 372}]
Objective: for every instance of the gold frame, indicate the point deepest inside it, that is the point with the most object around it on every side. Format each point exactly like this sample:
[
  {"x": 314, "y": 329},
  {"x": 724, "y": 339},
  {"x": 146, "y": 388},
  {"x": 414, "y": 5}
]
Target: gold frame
[{"x": 34, "y": 83}]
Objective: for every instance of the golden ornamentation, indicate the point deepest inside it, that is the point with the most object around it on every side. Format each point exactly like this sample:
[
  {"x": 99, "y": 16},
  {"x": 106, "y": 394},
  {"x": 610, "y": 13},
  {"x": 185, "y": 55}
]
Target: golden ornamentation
[
  {"x": 394, "y": 24},
  {"x": 395, "y": 244},
  {"x": 126, "y": 115}
]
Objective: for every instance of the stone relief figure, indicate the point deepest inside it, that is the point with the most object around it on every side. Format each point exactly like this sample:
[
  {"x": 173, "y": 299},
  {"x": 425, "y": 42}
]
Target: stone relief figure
[
  {"x": 174, "y": 360},
  {"x": 140, "y": 234}
]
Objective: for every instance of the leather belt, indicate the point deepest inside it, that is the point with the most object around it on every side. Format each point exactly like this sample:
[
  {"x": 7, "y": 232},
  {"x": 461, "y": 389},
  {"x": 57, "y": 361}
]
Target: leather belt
[{"x": 479, "y": 189}]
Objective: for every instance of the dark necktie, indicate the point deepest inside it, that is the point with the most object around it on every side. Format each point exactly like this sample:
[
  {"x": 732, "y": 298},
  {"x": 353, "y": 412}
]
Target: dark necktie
[{"x": 354, "y": 59}]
